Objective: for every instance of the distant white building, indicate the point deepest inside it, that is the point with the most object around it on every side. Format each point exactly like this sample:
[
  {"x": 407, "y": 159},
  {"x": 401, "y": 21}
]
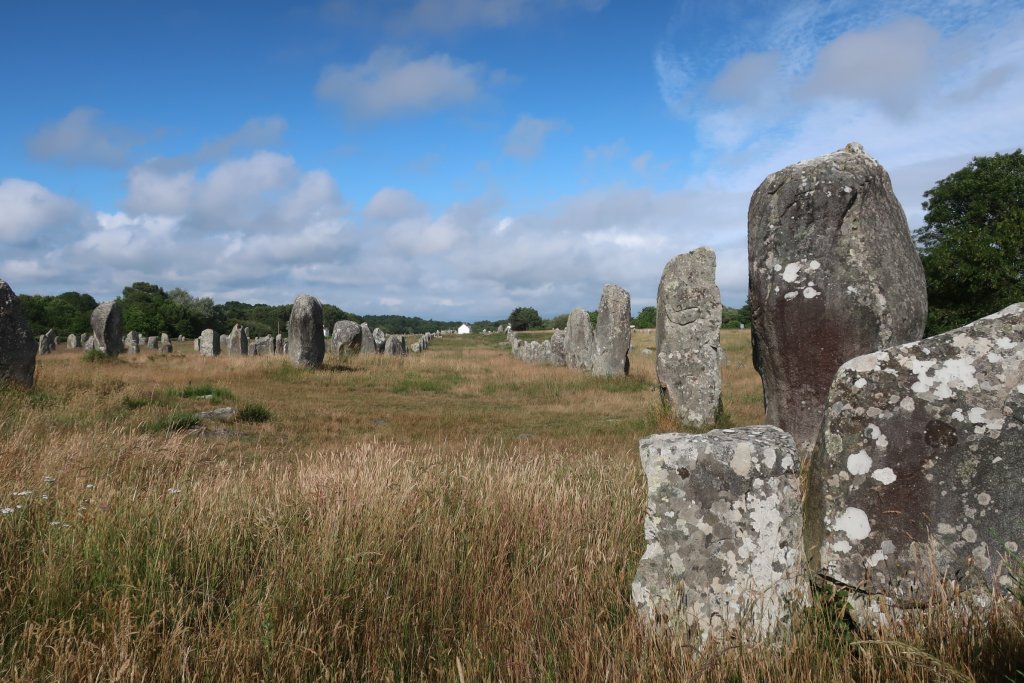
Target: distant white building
[{"x": 465, "y": 329}]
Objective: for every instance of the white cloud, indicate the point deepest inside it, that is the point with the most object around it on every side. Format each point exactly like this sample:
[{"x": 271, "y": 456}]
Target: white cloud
[
  {"x": 393, "y": 204},
  {"x": 151, "y": 191},
  {"x": 449, "y": 16},
  {"x": 390, "y": 82},
  {"x": 641, "y": 161},
  {"x": 526, "y": 139},
  {"x": 612, "y": 150},
  {"x": 27, "y": 208},
  {"x": 80, "y": 139}
]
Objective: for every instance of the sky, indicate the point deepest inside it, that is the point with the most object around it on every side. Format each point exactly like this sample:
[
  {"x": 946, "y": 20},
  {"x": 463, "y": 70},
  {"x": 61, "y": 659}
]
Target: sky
[{"x": 455, "y": 159}]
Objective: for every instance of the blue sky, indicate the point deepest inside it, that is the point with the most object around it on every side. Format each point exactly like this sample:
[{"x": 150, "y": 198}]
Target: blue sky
[{"x": 458, "y": 158}]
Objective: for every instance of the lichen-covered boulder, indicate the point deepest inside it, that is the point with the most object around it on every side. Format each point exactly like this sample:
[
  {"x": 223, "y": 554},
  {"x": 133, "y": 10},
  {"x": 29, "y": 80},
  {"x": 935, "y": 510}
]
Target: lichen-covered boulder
[
  {"x": 723, "y": 530},
  {"x": 394, "y": 345},
  {"x": 47, "y": 342},
  {"x": 367, "y": 345},
  {"x": 379, "y": 339},
  {"x": 17, "y": 348},
  {"x": 165, "y": 344},
  {"x": 688, "y": 338},
  {"x": 579, "y": 340},
  {"x": 107, "y": 328},
  {"x": 238, "y": 342},
  {"x": 153, "y": 342},
  {"x": 347, "y": 337},
  {"x": 209, "y": 343},
  {"x": 918, "y": 471},
  {"x": 833, "y": 274},
  {"x": 306, "y": 332},
  {"x": 557, "y": 348},
  {"x": 131, "y": 342},
  {"x": 73, "y": 342},
  {"x": 612, "y": 335}
]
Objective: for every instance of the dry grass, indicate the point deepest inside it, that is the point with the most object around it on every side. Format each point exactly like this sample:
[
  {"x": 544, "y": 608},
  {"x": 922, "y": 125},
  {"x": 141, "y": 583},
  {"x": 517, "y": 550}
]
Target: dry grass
[{"x": 453, "y": 515}]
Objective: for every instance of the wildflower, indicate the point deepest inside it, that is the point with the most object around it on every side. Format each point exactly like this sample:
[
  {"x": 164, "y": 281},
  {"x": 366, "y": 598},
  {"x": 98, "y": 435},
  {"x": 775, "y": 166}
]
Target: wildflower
[
  {"x": 49, "y": 480},
  {"x": 22, "y": 493},
  {"x": 6, "y": 511},
  {"x": 90, "y": 486},
  {"x": 173, "y": 490}
]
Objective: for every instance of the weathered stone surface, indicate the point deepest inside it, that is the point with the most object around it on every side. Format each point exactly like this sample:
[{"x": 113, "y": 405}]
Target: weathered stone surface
[
  {"x": 379, "y": 338},
  {"x": 612, "y": 335},
  {"x": 306, "y": 332},
  {"x": 917, "y": 471},
  {"x": 833, "y": 274},
  {"x": 17, "y": 347},
  {"x": 153, "y": 342},
  {"x": 107, "y": 328},
  {"x": 368, "y": 345},
  {"x": 90, "y": 343},
  {"x": 261, "y": 346},
  {"x": 723, "y": 529},
  {"x": 73, "y": 341},
  {"x": 209, "y": 343},
  {"x": 347, "y": 337},
  {"x": 556, "y": 352},
  {"x": 195, "y": 343},
  {"x": 47, "y": 342},
  {"x": 165, "y": 344},
  {"x": 394, "y": 345},
  {"x": 131, "y": 342},
  {"x": 687, "y": 338},
  {"x": 238, "y": 342},
  {"x": 279, "y": 344},
  {"x": 579, "y": 340}
]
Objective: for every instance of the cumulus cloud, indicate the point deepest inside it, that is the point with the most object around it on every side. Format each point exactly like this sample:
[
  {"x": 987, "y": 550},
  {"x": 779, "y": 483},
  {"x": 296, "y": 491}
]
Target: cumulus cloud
[
  {"x": 449, "y": 16},
  {"x": 390, "y": 82},
  {"x": 394, "y": 204},
  {"x": 27, "y": 208},
  {"x": 526, "y": 139},
  {"x": 80, "y": 138}
]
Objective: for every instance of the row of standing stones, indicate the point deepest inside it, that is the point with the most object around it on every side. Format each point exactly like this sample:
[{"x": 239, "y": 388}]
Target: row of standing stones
[
  {"x": 307, "y": 345},
  {"x": 891, "y": 465}
]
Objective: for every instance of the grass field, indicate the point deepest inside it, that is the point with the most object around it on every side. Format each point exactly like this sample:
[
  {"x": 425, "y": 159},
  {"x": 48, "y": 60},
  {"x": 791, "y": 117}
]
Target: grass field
[{"x": 451, "y": 515}]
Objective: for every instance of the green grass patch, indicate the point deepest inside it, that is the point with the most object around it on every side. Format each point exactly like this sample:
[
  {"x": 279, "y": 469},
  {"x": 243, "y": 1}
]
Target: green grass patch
[
  {"x": 440, "y": 382},
  {"x": 97, "y": 356},
  {"x": 133, "y": 402},
  {"x": 202, "y": 390},
  {"x": 178, "y": 421},
  {"x": 253, "y": 412}
]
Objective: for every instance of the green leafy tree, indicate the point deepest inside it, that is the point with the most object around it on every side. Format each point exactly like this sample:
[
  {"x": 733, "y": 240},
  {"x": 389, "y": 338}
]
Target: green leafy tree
[
  {"x": 525, "y": 318},
  {"x": 972, "y": 241},
  {"x": 647, "y": 318},
  {"x": 558, "y": 322}
]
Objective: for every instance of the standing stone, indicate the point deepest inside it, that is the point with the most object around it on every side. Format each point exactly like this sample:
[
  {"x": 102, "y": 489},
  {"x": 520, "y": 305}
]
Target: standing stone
[
  {"x": 379, "y": 338},
  {"x": 368, "y": 344},
  {"x": 612, "y": 336},
  {"x": 90, "y": 343},
  {"x": 107, "y": 328},
  {"x": 209, "y": 343},
  {"x": 73, "y": 341},
  {"x": 916, "y": 473},
  {"x": 833, "y": 274},
  {"x": 279, "y": 344},
  {"x": 347, "y": 337},
  {"x": 557, "y": 356},
  {"x": 579, "y": 340},
  {"x": 165, "y": 344},
  {"x": 687, "y": 338},
  {"x": 262, "y": 346},
  {"x": 723, "y": 530},
  {"x": 238, "y": 342},
  {"x": 306, "y": 332},
  {"x": 17, "y": 348},
  {"x": 195, "y": 343},
  {"x": 394, "y": 345},
  {"x": 131, "y": 342},
  {"x": 47, "y": 342}
]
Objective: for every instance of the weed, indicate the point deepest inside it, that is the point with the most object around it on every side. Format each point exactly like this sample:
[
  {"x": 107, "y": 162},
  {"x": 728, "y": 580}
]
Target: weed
[
  {"x": 216, "y": 394},
  {"x": 178, "y": 421},
  {"x": 97, "y": 356},
  {"x": 253, "y": 412}
]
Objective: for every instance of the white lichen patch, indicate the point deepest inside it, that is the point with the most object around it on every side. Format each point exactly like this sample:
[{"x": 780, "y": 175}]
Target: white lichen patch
[
  {"x": 969, "y": 534},
  {"x": 791, "y": 272},
  {"x": 854, "y": 523},
  {"x": 810, "y": 292},
  {"x": 907, "y": 404},
  {"x": 741, "y": 459},
  {"x": 983, "y": 498},
  {"x": 858, "y": 463},
  {"x": 884, "y": 475}
]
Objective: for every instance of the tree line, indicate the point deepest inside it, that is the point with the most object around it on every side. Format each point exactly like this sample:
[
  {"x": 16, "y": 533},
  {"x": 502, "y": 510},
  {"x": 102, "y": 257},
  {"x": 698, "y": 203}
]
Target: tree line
[{"x": 149, "y": 310}]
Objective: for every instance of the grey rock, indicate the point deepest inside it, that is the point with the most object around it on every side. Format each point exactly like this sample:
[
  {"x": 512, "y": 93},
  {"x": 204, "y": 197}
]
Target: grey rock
[
  {"x": 195, "y": 344},
  {"x": 379, "y": 338},
  {"x": 579, "y": 340},
  {"x": 165, "y": 345},
  {"x": 916, "y": 473},
  {"x": 153, "y": 342},
  {"x": 107, "y": 328},
  {"x": 279, "y": 344},
  {"x": 612, "y": 336},
  {"x": 209, "y": 343},
  {"x": 556, "y": 353},
  {"x": 223, "y": 343},
  {"x": 306, "y": 332},
  {"x": 73, "y": 342},
  {"x": 90, "y": 343},
  {"x": 368, "y": 345},
  {"x": 833, "y": 274},
  {"x": 687, "y": 338},
  {"x": 225, "y": 413},
  {"x": 346, "y": 338},
  {"x": 131, "y": 342},
  {"x": 262, "y": 346},
  {"x": 238, "y": 342},
  {"x": 17, "y": 347},
  {"x": 47, "y": 342},
  {"x": 723, "y": 531},
  {"x": 394, "y": 345}
]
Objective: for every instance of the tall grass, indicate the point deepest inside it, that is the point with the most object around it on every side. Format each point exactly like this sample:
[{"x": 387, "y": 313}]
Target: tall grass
[{"x": 437, "y": 517}]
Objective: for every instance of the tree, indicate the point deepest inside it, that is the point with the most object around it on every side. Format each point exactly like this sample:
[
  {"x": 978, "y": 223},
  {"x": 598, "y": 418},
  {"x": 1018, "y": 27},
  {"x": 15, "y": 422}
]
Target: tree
[
  {"x": 972, "y": 241},
  {"x": 524, "y": 319},
  {"x": 647, "y": 318}
]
